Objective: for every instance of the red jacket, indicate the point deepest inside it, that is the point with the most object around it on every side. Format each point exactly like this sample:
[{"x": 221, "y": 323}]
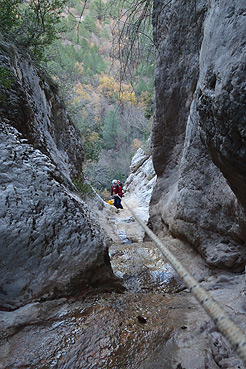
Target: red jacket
[{"x": 116, "y": 190}]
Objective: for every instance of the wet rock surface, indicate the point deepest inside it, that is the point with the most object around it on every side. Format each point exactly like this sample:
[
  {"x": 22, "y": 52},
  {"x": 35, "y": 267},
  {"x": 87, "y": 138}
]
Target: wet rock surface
[
  {"x": 192, "y": 199},
  {"x": 92, "y": 332},
  {"x": 149, "y": 326},
  {"x": 154, "y": 323},
  {"x": 141, "y": 268}
]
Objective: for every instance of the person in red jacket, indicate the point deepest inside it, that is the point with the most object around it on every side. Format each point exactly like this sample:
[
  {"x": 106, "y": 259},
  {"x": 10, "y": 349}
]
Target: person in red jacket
[{"x": 116, "y": 193}]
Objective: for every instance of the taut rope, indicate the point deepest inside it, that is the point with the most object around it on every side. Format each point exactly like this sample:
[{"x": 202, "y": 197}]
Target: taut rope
[{"x": 226, "y": 326}]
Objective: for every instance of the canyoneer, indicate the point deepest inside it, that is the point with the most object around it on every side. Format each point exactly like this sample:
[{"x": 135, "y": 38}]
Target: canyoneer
[{"x": 116, "y": 194}]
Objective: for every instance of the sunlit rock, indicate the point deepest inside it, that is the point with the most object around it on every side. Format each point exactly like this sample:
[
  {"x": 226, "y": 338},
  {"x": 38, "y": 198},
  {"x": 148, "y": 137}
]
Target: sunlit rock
[{"x": 140, "y": 183}]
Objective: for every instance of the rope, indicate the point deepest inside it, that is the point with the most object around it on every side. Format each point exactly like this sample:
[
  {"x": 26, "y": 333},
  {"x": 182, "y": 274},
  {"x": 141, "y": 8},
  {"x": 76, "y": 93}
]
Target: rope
[{"x": 226, "y": 326}]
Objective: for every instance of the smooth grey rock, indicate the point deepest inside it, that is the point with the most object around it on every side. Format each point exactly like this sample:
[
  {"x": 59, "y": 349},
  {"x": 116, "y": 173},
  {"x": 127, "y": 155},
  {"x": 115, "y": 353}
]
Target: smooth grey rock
[
  {"x": 50, "y": 243},
  {"x": 221, "y": 91},
  {"x": 191, "y": 198},
  {"x": 139, "y": 185},
  {"x": 139, "y": 158},
  {"x": 33, "y": 106}
]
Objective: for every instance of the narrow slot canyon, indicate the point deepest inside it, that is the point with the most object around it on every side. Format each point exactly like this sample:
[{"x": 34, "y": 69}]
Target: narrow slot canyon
[{"x": 151, "y": 94}]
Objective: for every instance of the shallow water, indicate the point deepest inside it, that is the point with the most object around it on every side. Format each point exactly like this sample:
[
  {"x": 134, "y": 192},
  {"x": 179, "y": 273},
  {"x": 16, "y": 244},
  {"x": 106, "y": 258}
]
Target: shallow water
[
  {"x": 108, "y": 331},
  {"x": 141, "y": 268}
]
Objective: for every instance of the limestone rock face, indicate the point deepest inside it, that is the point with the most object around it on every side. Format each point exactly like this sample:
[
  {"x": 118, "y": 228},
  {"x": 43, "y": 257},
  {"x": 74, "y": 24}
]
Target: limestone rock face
[
  {"x": 221, "y": 92},
  {"x": 198, "y": 132},
  {"x": 51, "y": 244},
  {"x": 139, "y": 185},
  {"x": 34, "y": 108}
]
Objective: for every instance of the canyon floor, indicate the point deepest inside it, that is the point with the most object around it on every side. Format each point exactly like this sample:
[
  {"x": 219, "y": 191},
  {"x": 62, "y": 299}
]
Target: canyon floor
[{"x": 154, "y": 323}]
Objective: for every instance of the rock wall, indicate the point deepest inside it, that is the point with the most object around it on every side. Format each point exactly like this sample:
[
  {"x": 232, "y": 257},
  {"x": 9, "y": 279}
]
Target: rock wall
[
  {"x": 139, "y": 185},
  {"x": 34, "y": 108},
  {"x": 51, "y": 245},
  {"x": 198, "y": 139},
  {"x": 221, "y": 92}
]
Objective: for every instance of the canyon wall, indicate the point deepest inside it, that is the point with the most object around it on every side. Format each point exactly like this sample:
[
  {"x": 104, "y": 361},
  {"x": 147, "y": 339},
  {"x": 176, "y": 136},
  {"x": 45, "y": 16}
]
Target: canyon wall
[
  {"x": 198, "y": 140},
  {"x": 51, "y": 245},
  {"x": 140, "y": 182}
]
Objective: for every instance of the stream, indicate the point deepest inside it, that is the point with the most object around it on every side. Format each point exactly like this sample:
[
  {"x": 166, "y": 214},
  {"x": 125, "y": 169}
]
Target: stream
[
  {"x": 112, "y": 330},
  {"x": 154, "y": 324}
]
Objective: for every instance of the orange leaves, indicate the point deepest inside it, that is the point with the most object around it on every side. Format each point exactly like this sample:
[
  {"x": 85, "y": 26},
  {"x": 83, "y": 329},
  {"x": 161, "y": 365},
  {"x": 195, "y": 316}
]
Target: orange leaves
[{"x": 136, "y": 144}]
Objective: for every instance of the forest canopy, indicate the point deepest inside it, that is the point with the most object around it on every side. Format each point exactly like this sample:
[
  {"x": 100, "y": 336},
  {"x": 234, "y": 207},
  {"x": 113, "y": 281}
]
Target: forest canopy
[{"x": 101, "y": 55}]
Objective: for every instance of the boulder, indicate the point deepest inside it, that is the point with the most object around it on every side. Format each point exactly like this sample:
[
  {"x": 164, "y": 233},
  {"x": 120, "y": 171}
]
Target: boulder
[{"x": 51, "y": 244}]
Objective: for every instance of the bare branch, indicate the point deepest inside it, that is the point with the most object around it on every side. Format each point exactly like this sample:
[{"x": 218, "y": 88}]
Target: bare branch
[
  {"x": 80, "y": 19},
  {"x": 128, "y": 33}
]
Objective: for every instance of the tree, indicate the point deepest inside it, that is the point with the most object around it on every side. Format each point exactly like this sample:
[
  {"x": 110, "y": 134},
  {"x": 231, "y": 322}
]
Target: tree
[
  {"x": 9, "y": 11},
  {"x": 31, "y": 25},
  {"x": 111, "y": 125},
  {"x": 132, "y": 36},
  {"x": 98, "y": 9}
]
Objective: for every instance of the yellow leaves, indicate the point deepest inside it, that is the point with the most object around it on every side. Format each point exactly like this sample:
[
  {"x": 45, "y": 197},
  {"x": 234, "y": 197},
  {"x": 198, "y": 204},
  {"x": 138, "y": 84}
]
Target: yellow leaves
[
  {"x": 80, "y": 68},
  {"x": 127, "y": 95},
  {"x": 94, "y": 137},
  {"x": 108, "y": 85},
  {"x": 112, "y": 89},
  {"x": 55, "y": 78},
  {"x": 80, "y": 91}
]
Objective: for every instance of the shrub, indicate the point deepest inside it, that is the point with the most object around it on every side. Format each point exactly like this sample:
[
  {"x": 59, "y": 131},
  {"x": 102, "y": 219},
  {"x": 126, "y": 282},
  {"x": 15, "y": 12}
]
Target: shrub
[{"x": 31, "y": 25}]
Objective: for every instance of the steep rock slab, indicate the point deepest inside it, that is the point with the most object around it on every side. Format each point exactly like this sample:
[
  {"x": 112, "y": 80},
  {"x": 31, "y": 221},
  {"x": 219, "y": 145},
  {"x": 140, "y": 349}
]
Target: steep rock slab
[
  {"x": 191, "y": 199},
  {"x": 33, "y": 106},
  {"x": 177, "y": 35},
  {"x": 222, "y": 91},
  {"x": 139, "y": 185},
  {"x": 50, "y": 245}
]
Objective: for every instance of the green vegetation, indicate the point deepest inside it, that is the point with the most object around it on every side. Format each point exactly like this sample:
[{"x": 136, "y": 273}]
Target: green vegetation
[
  {"x": 82, "y": 187},
  {"x": 31, "y": 25},
  {"x": 6, "y": 80},
  {"x": 112, "y": 113},
  {"x": 6, "y": 77},
  {"x": 111, "y": 130},
  {"x": 98, "y": 9},
  {"x": 101, "y": 55}
]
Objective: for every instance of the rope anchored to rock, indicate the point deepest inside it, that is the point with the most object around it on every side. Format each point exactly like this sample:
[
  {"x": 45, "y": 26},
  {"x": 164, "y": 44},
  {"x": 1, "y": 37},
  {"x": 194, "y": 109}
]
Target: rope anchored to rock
[{"x": 226, "y": 326}]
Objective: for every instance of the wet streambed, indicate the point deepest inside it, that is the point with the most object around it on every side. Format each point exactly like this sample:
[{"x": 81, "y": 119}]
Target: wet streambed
[{"x": 111, "y": 330}]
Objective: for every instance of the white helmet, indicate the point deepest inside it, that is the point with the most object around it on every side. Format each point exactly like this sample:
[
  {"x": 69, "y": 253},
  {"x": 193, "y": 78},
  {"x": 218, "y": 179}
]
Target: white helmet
[{"x": 114, "y": 181}]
